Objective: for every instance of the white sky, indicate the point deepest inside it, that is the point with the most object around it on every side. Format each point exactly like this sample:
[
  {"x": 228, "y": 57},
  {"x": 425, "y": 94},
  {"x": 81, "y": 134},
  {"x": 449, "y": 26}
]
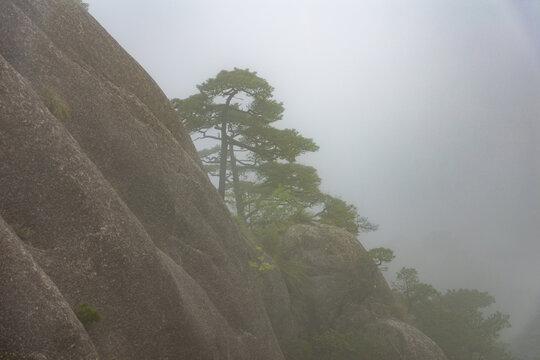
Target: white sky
[{"x": 427, "y": 115}]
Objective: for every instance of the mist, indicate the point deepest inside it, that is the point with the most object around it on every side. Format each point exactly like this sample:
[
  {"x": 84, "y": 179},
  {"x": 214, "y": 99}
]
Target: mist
[{"x": 426, "y": 114}]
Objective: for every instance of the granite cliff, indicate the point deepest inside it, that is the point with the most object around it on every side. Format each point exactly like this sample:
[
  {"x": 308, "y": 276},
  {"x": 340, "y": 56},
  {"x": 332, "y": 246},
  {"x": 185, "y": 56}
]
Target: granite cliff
[{"x": 103, "y": 201}]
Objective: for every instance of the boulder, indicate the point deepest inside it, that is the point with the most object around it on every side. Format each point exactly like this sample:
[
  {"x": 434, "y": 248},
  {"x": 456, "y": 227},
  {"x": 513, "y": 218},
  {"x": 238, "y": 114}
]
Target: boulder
[
  {"x": 341, "y": 282},
  {"x": 343, "y": 297},
  {"x": 405, "y": 341}
]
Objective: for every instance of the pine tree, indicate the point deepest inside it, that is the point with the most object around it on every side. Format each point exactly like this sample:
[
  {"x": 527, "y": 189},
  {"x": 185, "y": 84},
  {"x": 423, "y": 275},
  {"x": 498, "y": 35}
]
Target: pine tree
[{"x": 236, "y": 111}]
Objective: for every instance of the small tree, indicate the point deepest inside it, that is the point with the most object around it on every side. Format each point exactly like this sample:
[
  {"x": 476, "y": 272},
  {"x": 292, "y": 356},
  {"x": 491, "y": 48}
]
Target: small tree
[
  {"x": 83, "y": 4},
  {"x": 341, "y": 214},
  {"x": 380, "y": 256},
  {"x": 406, "y": 281}
]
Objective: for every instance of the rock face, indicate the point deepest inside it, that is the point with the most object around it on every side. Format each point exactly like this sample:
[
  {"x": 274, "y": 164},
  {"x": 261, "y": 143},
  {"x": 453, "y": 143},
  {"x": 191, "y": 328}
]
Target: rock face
[
  {"x": 405, "y": 341},
  {"x": 107, "y": 204},
  {"x": 340, "y": 281},
  {"x": 103, "y": 201},
  {"x": 38, "y": 319},
  {"x": 343, "y": 292}
]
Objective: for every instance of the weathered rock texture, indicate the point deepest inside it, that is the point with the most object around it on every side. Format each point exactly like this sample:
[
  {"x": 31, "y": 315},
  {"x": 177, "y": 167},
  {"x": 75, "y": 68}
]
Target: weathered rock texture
[
  {"x": 404, "y": 341},
  {"x": 110, "y": 207},
  {"x": 39, "y": 319},
  {"x": 103, "y": 201},
  {"x": 343, "y": 290}
]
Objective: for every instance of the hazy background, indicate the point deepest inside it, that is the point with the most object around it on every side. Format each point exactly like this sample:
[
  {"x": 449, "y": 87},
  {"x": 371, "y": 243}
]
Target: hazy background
[{"x": 427, "y": 114}]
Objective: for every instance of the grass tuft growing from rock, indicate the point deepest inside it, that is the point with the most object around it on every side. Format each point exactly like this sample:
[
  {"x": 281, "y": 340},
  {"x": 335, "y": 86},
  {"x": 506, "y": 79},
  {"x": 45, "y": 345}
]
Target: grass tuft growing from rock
[
  {"x": 87, "y": 314},
  {"x": 56, "y": 104}
]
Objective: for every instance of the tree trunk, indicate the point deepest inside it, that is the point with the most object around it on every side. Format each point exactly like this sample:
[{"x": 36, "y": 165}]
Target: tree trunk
[
  {"x": 223, "y": 158},
  {"x": 238, "y": 195},
  {"x": 224, "y": 147}
]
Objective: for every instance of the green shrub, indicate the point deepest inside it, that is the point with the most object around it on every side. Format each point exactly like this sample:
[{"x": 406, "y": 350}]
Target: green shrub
[
  {"x": 333, "y": 344},
  {"x": 298, "y": 349},
  {"x": 82, "y": 4},
  {"x": 351, "y": 345},
  {"x": 23, "y": 232},
  {"x": 399, "y": 310},
  {"x": 55, "y": 103},
  {"x": 161, "y": 245},
  {"x": 87, "y": 314},
  {"x": 7, "y": 355},
  {"x": 261, "y": 263}
]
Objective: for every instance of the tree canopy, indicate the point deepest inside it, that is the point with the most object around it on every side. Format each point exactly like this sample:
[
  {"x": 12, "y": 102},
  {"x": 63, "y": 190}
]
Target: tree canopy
[
  {"x": 254, "y": 162},
  {"x": 341, "y": 214},
  {"x": 236, "y": 110},
  {"x": 456, "y": 320}
]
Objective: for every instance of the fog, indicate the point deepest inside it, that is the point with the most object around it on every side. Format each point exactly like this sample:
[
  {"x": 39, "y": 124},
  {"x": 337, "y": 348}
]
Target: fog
[{"x": 426, "y": 114}]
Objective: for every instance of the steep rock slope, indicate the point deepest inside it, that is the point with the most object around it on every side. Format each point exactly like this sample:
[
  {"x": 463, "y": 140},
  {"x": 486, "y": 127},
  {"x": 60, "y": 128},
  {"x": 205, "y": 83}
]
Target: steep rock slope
[
  {"x": 102, "y": 187},
  {"x": 103, "y": 201},
  {"x": 342, "y": 293}
]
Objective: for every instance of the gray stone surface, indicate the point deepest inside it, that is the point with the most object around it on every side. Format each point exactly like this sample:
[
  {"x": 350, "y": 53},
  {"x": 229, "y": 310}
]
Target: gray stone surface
[
  {"x": 342, "y": 284},
  {"x": 111, "y": 201},
  {"x": 35, "y": 319},
  {"x": 344, "y": 290},
  {"x": 406, "y": 341}
]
